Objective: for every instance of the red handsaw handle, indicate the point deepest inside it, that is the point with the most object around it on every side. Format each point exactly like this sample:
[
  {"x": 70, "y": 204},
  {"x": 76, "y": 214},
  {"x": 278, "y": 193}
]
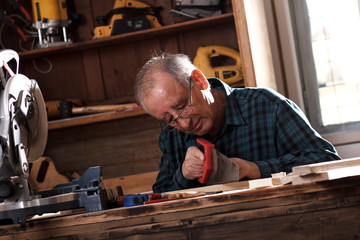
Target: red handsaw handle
[{"x": 208, "y": 166}]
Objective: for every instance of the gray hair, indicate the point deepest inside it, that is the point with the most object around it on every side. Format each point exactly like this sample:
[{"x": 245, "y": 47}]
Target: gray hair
[{"x": 177, "y": 65}]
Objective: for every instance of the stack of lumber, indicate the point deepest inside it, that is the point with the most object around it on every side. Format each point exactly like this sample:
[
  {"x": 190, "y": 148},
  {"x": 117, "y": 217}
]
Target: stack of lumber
[
  {"x": 142, "y": 183},
  {"x": 318, "y": 172},
  {"x": 326, "y": 171}
]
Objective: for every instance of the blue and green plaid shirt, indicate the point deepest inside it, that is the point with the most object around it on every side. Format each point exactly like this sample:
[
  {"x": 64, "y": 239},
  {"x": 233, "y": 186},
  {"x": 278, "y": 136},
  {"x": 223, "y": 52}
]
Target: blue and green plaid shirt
[{"x": 260, "y": 126}]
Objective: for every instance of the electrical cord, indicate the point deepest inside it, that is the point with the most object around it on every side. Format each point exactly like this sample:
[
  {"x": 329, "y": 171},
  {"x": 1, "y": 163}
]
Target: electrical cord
[{"x": 31, "y": 34}]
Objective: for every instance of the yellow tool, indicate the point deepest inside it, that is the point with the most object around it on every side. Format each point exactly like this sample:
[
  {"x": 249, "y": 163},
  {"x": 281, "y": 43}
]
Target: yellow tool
[
  {"x": 231, "y": 74},
  {"x": 126, "y": 16},
  {"x": 51, "y": 21}
]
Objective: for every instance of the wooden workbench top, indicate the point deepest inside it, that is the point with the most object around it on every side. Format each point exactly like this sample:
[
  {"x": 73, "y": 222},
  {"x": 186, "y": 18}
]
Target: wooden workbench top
[{"x": 321, "y": 210}]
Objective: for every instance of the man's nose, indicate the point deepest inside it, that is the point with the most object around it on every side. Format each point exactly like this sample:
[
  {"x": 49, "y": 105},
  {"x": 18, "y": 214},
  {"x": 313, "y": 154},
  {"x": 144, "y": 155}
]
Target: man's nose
[{"x": 184, "y": 122}]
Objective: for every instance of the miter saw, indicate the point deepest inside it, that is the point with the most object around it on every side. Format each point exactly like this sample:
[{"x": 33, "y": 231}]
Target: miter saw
[
  {"x": 127, "y": 16},
  {"x": 23, "y": 137}
]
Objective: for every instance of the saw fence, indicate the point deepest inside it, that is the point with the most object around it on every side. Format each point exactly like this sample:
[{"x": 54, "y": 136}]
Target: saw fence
[{"x": 260, "y": 209}]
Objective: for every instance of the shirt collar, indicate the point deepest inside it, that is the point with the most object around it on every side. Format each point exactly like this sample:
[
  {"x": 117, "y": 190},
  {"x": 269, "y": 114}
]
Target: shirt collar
[{"x": 233, "y": 113}]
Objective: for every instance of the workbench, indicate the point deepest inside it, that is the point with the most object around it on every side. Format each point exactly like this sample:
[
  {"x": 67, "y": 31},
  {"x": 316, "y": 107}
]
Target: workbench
[{"x": 321, "y": 210}]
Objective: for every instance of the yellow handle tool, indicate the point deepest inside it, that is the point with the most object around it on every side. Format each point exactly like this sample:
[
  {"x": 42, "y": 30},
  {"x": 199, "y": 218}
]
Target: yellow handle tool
[{"x": 232, "y": 74}]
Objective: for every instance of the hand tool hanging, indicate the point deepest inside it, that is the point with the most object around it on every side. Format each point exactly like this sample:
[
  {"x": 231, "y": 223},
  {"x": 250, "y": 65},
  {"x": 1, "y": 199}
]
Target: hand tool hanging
[{"x": 72, "y": 107}]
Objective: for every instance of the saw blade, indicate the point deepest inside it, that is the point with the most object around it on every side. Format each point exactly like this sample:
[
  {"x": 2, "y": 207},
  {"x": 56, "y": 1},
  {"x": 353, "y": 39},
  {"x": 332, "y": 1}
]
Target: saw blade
[
  {"x": 33, "y": 131},
  {"x": 36, "y": 125},
  {"x": 224, "y": 169}
]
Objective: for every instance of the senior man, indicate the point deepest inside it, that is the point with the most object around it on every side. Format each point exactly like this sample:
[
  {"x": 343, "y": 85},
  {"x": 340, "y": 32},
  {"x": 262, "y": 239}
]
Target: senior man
[{"x": 260, "y": 130}]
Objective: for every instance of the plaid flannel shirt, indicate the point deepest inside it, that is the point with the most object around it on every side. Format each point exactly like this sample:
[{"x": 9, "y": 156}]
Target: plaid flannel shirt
[{"x": 260, "y": 126}]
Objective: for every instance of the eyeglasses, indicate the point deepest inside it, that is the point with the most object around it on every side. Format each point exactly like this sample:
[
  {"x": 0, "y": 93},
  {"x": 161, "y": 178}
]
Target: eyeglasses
[{"x": 184, "y": 113}]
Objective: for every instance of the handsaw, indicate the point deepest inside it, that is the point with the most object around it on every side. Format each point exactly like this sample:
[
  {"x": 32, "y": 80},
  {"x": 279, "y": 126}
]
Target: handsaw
[{"x": 217, "y": 167}]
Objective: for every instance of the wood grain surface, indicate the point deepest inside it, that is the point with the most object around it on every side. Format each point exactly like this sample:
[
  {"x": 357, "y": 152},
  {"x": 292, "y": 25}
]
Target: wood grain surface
[{"x": 326, "y": 210}]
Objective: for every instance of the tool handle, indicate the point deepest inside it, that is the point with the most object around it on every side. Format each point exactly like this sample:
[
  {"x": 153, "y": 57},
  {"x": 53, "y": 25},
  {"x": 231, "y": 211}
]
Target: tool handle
[
  {"x": 134, "y": 200},
  {"x": 182, "y": 195},
  {"x": 103, "y": 108},
  {"x": 207, "y": 167}
]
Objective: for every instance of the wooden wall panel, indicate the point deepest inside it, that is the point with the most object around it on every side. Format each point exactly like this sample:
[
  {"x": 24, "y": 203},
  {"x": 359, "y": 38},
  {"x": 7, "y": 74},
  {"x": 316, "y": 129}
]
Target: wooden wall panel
[
  {"x": 121, "y": 63},
  {"x": 117, "y": 146},
  {"x": 93, "y": 76},
  {"x": 219, "y": 35},
  {"x": 65, "y": 80},
  {"x": 82, "y": 30}
]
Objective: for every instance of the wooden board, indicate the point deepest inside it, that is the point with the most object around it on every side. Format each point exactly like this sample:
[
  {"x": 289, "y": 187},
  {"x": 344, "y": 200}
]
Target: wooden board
[
  {"x": 327, "y": 175},
  {"x": 325, "y": 166}
]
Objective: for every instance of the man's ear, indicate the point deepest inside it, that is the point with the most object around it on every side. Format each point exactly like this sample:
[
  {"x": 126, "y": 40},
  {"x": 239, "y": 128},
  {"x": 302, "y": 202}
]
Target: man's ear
[{"x": 198, "y": 76}]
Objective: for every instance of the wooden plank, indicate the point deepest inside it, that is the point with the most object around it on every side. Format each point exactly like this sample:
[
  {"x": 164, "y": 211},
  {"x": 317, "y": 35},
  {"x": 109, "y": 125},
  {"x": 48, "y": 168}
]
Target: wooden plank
[
  {"x": 281, "y": 178},
  {"x": 244, "y": 43},
  {"x": 327, "y": 175},
  {"x": 260, "y": 183},
  {"x": 325, "y": 166},
  {"x": 94, "y": 118},
  {"x": 261, "y": 52},
  {"x": 254, "y": 43},
  {"x": 226, "y": 187},
  {"x": 233, "y": 186}
]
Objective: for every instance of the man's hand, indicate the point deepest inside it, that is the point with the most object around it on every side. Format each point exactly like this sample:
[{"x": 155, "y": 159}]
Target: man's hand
[
  {"x": 192, "y": 167},
  {"x": 247, "y": 169}
]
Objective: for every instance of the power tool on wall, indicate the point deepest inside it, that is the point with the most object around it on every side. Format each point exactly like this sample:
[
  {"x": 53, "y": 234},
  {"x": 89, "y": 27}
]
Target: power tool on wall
[
  {"x": 51, "y": 22},
  {"x": 220, "y": 62},
  {"x": 126, "y": 16},
  {"x": 185, "y": 10}
]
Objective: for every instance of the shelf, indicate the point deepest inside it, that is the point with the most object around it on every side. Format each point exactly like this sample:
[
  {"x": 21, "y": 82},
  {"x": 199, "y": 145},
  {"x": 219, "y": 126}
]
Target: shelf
[
  {"x": 94, "y": 118},
  {"x": 128, "y": 37}
]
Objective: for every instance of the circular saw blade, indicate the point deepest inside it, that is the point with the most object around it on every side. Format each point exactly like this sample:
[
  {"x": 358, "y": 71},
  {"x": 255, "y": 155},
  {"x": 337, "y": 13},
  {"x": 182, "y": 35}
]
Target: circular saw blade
[{"x": 34, "y": 129}]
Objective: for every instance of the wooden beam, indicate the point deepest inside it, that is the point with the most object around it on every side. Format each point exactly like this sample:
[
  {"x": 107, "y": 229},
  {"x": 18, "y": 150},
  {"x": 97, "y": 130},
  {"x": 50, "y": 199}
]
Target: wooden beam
[
  {"x": 327, "y": 175},
  {"x": 244, "y": 42},
  {"x": 254, "y": 43},
  {"x": 325, "y": 166}
]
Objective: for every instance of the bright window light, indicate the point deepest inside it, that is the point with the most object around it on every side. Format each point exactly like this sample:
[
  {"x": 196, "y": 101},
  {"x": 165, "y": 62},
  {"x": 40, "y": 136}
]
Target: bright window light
[{"x": 335, "y": 31}]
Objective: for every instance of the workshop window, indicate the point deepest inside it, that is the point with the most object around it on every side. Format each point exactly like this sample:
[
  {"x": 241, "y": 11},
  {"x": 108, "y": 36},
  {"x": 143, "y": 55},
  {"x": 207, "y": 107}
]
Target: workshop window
[{"x": 328, "y": 35}]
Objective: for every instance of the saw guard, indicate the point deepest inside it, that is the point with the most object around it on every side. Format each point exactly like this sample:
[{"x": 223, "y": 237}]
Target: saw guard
[{"x": 37, "y": 141}]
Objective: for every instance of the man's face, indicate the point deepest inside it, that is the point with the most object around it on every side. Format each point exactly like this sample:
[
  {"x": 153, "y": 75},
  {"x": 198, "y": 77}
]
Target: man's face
[{"x": 168, "y": 98}]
